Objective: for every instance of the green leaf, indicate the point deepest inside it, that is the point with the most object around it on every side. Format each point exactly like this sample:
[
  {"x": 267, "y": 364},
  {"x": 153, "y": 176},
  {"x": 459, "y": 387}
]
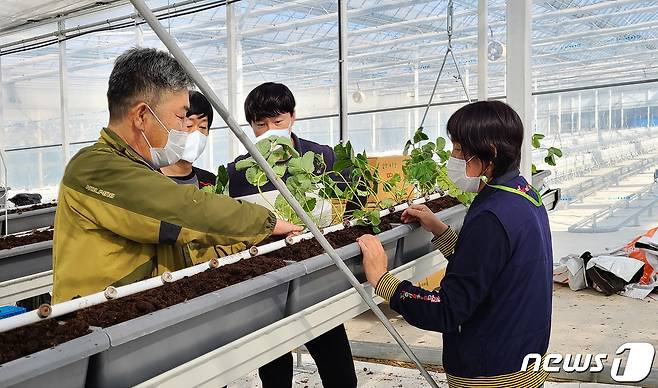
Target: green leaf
[
  {"x": 534, "y": 169},
  {"x": 208, "y": 189},
  {"x": 440, "y": 143},
  {"x": 550, "y": 160},
  {"x": 385, "y": 204},
  {"x": 406, "y": 148},
  {"x": 264, "y": 146},
  {"x": 420, "y": 136},
  {"x": 307, "y": 162},
  {"x": 279, "y": 169},
  {"x": 255, "y": 176},
  {"x": 244, "y": 164},
  {"x": 536, "y": 140},
  {"x": 556, "y": 151}
]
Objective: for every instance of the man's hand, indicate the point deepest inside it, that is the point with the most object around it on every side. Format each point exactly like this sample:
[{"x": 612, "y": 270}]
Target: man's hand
[
  {"x": 427, "y": 219},
  {"x": 286, "y": 228},
  {"x": 374, "y": 258}
]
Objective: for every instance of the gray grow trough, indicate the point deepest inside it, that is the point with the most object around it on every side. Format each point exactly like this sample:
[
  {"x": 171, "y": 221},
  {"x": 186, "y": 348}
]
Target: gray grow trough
[
  {"x": 65, "y": 365},
  {"x": 323, "y": 279},
  {"x": 26, "y": 260},
  {"x": 418, "y": 242},
  {"x": 152, "y": 344},
  {"x": 28, "y": 220}
]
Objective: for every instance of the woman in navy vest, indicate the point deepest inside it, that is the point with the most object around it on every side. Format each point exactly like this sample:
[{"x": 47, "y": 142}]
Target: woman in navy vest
[{"x": 494, "y": 304}]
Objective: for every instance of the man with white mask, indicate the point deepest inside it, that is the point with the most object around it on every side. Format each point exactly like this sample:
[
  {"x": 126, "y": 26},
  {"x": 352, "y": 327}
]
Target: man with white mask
[
  {"x": 270, "y": 110},
  {"x": 118, "y": 217},
  {"x": 199, "y": 117}
]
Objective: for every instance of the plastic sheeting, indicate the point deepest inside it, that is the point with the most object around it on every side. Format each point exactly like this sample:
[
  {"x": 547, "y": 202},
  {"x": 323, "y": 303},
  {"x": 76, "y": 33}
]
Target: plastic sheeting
[{"x": 15, "y": 13}]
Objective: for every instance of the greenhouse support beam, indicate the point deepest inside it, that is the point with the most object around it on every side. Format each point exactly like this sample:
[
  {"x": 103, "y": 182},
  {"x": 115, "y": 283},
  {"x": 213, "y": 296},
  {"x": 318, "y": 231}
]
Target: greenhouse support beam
[
  {"x": 64, "y": 93},
  {"x": 519, "y": 75},
  {"x": 234, "y": 71},
  {"x": 483, "y": 44},
  {"x": 178, "y": 53},
  {"x": 343, "y": 84}
]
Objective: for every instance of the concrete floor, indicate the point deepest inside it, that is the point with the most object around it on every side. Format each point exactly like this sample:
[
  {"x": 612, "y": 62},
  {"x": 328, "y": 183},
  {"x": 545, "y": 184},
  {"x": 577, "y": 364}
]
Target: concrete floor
[{"x": 371, "y": 375}]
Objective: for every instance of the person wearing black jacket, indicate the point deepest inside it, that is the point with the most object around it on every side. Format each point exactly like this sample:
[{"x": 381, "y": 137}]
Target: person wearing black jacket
[
  {"x": 494, "y": 304},
  {"x": 199, "y": 120},
  {"x": 270, "y": 110}
]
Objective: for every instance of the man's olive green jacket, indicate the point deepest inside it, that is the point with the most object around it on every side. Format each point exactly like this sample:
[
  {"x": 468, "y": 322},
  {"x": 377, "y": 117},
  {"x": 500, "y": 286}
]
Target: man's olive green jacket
[{"x": 118, "y": 221}]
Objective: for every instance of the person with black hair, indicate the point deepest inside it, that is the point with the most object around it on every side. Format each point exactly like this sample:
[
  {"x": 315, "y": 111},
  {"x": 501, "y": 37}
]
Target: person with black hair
[
  {"x": 270, "y": 110},
  {"x": 198, "y": 125},
  {"x": 494, "y": 303}
]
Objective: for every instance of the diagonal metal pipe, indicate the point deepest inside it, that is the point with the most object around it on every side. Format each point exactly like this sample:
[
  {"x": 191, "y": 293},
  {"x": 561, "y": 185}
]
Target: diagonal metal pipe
[{"x": 178, "y": 53}]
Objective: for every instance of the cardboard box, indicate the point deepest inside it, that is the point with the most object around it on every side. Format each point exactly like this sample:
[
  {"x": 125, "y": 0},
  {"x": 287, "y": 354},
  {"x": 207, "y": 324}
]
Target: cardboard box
[
  {"x": 433, "y": 281},
  {"x": 387, "y": 166}
]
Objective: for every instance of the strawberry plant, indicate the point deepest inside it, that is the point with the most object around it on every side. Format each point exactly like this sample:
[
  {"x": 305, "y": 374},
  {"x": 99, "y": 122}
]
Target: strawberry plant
[
  {"x": 221, "y": 183},
  {"x": 551, "y": 152}
]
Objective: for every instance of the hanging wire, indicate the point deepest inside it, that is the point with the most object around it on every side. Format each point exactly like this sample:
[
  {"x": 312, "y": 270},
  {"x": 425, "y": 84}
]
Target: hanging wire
[{"x": 449, "y": 52}]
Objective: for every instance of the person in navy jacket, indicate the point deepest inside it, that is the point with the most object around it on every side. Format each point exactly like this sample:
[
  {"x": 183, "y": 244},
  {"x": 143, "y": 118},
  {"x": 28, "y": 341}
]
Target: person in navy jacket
[
  {"x": 494, "y": 303},
  {"x": 270, "y": 110}
]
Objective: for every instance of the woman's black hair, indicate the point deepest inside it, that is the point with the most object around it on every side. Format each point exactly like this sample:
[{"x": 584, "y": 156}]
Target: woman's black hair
[
  {"x": 491, "y": 131},
  {"x": 200, "y": 106},
  {"x": 268, "y": 100}
]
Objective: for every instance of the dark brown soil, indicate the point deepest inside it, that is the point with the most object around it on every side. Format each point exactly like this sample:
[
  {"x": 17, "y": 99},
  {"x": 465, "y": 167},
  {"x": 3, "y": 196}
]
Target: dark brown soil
[
  {"x": 12, "y": 241},
  {"x": 45, "y": 334},
  {"x": 310, "y": 248},
  {"x": 33, "y": 207},
  {"x": 41, "y": 335},
  {"x": 124, "y": 309},
  {"x": 435, "y": 205}
]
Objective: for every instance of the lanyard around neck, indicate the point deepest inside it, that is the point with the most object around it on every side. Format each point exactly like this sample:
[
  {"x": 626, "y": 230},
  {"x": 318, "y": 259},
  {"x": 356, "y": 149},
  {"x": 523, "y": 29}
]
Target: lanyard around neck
[{"x": 535, "y": 202}]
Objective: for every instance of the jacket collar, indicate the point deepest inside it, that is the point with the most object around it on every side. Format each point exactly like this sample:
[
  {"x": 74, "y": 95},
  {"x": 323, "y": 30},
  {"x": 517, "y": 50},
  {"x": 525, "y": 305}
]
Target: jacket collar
[
  {"x": 115, "y": 142},
  {"x": 504, "y": 180}
]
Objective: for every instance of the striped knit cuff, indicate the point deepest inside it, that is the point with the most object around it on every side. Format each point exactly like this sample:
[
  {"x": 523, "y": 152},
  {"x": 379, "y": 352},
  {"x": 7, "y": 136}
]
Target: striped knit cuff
[
  {"x": 386, "y": 286},
  {"x": 446, "y": 242}
]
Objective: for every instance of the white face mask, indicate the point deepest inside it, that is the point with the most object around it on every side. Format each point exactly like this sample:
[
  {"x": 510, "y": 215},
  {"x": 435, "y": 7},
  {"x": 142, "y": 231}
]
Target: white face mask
[
  {"x": 274, "y": 132},
  {"x": 457, "y": 173},
  {"x": 173, "y": 149},
  {"x": 196, "y": 143}
]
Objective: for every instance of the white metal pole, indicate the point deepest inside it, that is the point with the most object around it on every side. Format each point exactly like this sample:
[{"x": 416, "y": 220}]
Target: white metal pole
[
  {"x": 621, "y": 110},
  {"x": 64, "y": 93},
  {"x": 518, "y": 75},
  {"x": 559, "y": 114},
  {"x": 596, "y": 114},
  {"x": 580, "y": 111},
  {"x": 234, "y": 76},
  {"x": 609, "y": 109},
  {"x": 343, "y": 84},
  {"x": 483, "y": 45},
  {"x": 178, "y": 53}
]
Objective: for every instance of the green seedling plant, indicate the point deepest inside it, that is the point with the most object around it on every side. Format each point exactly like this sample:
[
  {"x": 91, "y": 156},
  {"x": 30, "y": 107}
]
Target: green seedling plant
[
  {"x": 362, "y": 182},
  {"x": 426, "y": 167},
  {"x": 282, "y": 157},
  {"x": 551, "y": 152},
  {"x": 221, "y": 183}
]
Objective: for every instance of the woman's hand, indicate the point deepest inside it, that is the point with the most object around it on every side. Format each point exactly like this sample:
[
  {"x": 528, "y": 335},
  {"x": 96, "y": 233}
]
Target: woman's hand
[
  {"x": 374, "y": 258},
  {"x": 286, "y": 228},
  {"x": 427, "y": 219}
]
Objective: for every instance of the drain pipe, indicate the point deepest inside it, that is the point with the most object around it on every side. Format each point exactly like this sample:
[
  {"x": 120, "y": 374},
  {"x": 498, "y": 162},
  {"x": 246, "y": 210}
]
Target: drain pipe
[{"x": 205, "y": 88}]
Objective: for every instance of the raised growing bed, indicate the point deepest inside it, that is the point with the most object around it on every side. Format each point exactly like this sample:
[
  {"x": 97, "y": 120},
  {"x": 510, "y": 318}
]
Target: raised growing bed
[
  {"x": 323, "y": 279},
  {"x": 64, "y": 365},
  {"x": 25, "y": 254},
  {"x": 29, "y": 218},
  {"x": 156, "y": 330}
]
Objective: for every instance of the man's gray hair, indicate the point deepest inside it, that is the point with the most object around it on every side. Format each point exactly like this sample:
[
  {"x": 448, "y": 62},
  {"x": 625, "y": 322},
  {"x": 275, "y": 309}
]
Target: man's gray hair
[{"x": 143, "y": 74}]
